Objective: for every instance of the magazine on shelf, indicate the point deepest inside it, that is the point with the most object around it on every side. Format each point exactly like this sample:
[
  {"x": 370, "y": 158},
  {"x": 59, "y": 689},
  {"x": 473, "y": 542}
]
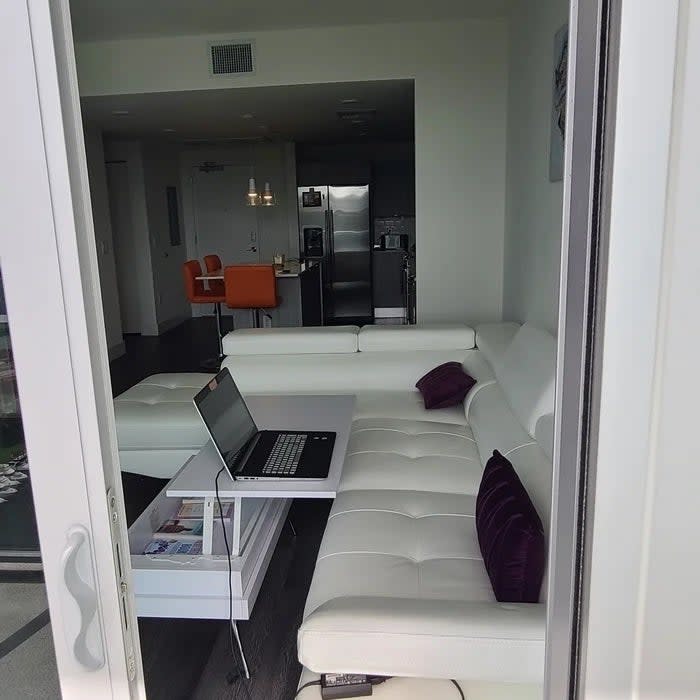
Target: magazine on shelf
[
  {"x": 185, "y": 528},
  {"x": 194, "y": 509},
  {"x": 173, "y": 546}
]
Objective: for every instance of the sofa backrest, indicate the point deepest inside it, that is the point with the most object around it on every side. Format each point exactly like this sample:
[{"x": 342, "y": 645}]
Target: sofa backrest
[
  {"x": 514, "y": 413},
  {"x": 526, "y": 373},
  {"x": 309, "y": 340},
  {"x": 342, "y": 358},
  {"x": 427, "y": 336},
  {"x": 336, "y": 372},
  {"x": 493, "y": 339}
]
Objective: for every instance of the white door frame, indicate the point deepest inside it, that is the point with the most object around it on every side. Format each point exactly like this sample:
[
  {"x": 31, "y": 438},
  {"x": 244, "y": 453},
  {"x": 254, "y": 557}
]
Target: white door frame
[
  {"x": 49, "y": 263},
  {"x": 604, "y": 447}
]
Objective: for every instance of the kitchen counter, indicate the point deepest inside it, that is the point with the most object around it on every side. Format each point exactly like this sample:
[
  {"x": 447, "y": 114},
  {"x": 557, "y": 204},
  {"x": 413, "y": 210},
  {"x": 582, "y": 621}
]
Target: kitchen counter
[{"x": 293, "y": 269}]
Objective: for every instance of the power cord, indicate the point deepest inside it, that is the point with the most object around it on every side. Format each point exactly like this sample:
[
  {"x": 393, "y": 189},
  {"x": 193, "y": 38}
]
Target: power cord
[
  {"x": 305, "y": 686},
  {"x": 231, "y": 678},
  {"x": 375, "y": 680}
]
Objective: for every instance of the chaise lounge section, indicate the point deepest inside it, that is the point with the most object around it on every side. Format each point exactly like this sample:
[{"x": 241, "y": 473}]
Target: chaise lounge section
[{"x": 399, "y": 588}]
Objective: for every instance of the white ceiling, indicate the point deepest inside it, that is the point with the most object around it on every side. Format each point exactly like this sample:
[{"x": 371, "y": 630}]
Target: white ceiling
[
  {"x": 116, "y": 19},
  {"x": 300, "y": 113}
]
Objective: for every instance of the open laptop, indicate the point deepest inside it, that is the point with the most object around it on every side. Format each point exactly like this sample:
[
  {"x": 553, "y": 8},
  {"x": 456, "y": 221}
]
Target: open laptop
[{"x": 252, "y": 454}]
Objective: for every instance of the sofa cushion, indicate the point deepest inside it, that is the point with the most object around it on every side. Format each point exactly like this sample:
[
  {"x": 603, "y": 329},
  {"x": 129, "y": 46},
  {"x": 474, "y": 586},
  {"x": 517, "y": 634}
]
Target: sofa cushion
[
  {"x": 510, "y": 534},
  {"x": 158, "y": 413},
  {"x": 406, "y": 405},
  {"x": 305, "y": 340},
  {"x": 444, "y": 386},
  {"x": 400, "y": 589},
  {"x": 408, "y": 455},
  {"x": 526, "y": 372},
  {"x": 403, "y": 637},
  {"x": 400, "y": 543},
  {"x": 422, "y": 336}
]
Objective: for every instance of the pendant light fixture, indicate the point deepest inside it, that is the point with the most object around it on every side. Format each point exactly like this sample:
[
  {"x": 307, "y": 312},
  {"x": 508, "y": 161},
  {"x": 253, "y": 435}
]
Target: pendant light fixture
[
  {"x": 256, "y": 199},
  {"x": 268, "y": 199}
]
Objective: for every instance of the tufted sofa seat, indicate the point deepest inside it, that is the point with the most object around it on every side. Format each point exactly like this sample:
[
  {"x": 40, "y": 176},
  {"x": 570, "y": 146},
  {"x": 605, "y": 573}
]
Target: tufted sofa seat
[{"x": 400, "y": 587}]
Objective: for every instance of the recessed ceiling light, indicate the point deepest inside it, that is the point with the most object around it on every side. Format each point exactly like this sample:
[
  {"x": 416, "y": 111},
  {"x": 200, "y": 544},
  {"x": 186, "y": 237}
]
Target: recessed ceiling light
[
  {"x": 349, "y": 101},
  {"x": 247, "y": 115},
  {"x": 169, "y": 131},
  {"x": 120, "y": 112}
]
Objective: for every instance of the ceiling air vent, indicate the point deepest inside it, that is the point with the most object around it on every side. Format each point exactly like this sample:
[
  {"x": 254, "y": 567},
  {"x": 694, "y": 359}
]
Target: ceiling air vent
[{"x": 231, "y": 58}]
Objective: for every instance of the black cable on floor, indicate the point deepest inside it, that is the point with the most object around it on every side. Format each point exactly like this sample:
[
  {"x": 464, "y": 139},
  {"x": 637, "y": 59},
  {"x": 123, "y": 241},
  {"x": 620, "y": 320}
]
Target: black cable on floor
[
  {"x": 459, "y": 688},
  {"x": 305, "y": 686},
  {"x": 239, "y": 662}
]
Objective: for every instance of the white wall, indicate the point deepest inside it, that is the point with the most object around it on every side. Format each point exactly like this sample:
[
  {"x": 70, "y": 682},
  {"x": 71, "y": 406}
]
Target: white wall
[
  {"x": 94, "y": 149},
  {"x": 533, "y": 203},
  {"x": 459, "y": 68},
  {"x": 149, "y": 269},
  {"x": 161, "y": 170},
  {"x": 131, "y": 243}
]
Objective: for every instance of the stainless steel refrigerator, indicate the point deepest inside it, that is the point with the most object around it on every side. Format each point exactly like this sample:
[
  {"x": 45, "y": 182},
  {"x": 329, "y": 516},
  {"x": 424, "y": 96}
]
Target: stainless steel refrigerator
[{"x": 334, "y": 229}]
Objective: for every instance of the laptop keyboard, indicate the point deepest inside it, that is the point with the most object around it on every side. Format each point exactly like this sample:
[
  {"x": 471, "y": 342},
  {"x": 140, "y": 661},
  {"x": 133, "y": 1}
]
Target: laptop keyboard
[{"x": 285, "y": 454}]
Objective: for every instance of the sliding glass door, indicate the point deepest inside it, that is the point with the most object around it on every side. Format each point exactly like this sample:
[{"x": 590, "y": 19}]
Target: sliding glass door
[{"x": 65, "y": 496}]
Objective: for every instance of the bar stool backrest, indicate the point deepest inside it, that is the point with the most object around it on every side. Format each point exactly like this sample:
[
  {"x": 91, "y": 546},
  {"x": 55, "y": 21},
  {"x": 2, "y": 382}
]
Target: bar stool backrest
[{"x": 250, "y": 286}]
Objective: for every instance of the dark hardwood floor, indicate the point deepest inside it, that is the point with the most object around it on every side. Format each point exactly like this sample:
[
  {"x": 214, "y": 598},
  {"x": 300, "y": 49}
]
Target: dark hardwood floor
[
  {"x": 182, "y": 349},
  {"x": 192, "y": 658}
]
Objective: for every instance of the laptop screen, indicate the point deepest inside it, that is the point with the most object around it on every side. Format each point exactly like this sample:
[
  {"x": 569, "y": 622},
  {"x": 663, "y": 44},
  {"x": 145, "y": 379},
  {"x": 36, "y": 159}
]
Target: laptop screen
[{"x": 226, "y": 416}]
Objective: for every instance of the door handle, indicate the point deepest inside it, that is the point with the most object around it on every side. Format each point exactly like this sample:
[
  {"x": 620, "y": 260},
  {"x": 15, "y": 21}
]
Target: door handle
[{"x": 85, "y": 596}]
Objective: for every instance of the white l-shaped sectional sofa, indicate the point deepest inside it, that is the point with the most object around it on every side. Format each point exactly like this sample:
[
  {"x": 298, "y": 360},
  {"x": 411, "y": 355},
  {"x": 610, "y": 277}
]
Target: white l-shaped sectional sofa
[{"x": 399, "y": 587}]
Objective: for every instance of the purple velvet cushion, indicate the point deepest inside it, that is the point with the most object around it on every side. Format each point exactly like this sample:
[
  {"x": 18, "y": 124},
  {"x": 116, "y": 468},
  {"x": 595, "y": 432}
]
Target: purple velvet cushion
[
  {"x": 510, "y": 534},
  {"x": 444, "y": 386}
]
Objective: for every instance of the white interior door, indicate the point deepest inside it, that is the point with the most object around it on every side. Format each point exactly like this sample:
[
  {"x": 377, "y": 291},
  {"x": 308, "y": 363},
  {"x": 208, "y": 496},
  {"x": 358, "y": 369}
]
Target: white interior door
[
  {"x": 224, "y": 225},
  {"x": 49, "y": 266}
]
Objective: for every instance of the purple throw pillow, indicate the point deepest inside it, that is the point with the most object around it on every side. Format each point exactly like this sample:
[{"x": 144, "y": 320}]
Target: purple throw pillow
[
  {"x": 444, "y": 386},
  {"x": 511, "y": 537}
]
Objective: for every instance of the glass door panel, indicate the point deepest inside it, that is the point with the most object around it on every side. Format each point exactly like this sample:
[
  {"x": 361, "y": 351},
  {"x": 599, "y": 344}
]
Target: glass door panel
[
  {"x": 25, "y": 626},
  {"x": 19, "y": 540}
]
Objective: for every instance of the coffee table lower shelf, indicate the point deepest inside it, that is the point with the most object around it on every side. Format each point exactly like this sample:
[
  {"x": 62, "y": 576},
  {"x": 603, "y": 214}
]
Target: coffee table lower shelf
[{"x": 184, "y": 586}]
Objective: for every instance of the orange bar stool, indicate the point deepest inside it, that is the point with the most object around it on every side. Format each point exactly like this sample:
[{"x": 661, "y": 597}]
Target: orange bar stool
[
  {"x": 212, "y": 263},
  {"x": 251, "y": 287},
  {"x": 197, "y": 294}
]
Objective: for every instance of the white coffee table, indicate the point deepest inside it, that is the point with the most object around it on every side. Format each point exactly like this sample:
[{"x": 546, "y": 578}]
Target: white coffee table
[{"x": 197, "y": 586}]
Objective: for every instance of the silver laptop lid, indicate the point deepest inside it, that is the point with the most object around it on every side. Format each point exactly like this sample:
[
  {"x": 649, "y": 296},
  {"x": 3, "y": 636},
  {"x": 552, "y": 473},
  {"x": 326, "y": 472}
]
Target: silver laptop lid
[{"x": 226, "y": 416}]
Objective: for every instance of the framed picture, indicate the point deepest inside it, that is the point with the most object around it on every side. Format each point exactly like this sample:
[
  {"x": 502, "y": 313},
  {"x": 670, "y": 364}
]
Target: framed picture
[{"x": 558, "y": 115}]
